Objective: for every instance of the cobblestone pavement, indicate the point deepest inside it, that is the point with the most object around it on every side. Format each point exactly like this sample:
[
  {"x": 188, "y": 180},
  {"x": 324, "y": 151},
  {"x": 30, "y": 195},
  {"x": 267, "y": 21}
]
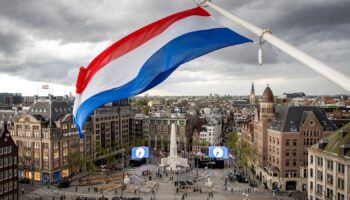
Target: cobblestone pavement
[{"x": 166, "y": 189}]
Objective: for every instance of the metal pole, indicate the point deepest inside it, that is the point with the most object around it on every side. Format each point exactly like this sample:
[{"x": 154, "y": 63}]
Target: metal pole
[
  {"x": 316, "y": 65},
  {"x": 123, "y": 174}
]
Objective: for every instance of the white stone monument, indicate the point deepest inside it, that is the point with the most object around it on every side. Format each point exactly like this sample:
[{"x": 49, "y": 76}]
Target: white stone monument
[{"x": 173, "y": 162}]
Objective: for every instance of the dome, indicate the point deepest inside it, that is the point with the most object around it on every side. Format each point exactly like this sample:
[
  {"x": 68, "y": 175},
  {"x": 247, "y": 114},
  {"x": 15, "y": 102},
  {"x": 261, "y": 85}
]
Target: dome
[{"x": 267, "y": 96}]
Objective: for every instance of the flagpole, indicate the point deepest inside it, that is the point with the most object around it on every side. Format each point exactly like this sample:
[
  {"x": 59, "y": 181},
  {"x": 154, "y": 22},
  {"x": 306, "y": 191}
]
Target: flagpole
[{"x": 316, "y": 65}]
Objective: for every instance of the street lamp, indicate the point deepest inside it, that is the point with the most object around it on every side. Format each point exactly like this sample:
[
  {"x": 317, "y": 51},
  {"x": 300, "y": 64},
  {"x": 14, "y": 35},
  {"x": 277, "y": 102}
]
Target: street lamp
[{"x": 123, "y": 157}]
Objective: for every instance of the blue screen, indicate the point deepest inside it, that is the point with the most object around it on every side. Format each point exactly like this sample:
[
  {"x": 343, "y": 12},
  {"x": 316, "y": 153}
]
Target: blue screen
[
  {"x": 139, "y": 153},
  {"x": 218, "y": 152}
]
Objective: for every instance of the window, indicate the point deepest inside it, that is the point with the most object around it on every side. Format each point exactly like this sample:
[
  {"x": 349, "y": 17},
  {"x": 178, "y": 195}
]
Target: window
[
  {"x": 311, "y": 159},
  {"x": 341, "y": 168},
  {"x": 329, "y": 193},
  {"x": 287, "y": 162},
  {"x": 319, "y": 188},
  {"x": 287, "y": 153},
  {"x": 5, "y": 161},
  {"x": 5, "y": 174},
  {"x": 10, "y": 173},
  {"x": 294, "y": 163},
  {"x": 294, "y": 142},
  {"x": 10, "y": 160},
  {"x": 319, "y": 175},
  {"x": 311, "y": 185},
  {"x": 330, "y": 179},
  {"x": 287, "y": 142},
  {"x": 305, "y": 173},
  {"x": 311, "y": 173},
  {"x": 319, "y": 161},
  {"x": 340, "y": 196},
  {"x": 329, "y": 164},
  {"x": 5, "y": 187},
  {"x": 340, "y": 183}
]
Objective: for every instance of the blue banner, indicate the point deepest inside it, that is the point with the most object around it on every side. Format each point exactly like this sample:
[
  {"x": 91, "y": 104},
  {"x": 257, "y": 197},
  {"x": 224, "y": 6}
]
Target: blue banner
[
  {"x": 46, "y": 177},
  {"x": 218, "y": 152},
  {"x": 57, "y": 177},
  {"x": 139, "y": 153}
]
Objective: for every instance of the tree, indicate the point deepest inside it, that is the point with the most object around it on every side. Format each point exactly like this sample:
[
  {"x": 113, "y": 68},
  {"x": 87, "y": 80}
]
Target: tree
[
  {"x": 74, "y": 160},
  {"x": 139, "y": 142}
]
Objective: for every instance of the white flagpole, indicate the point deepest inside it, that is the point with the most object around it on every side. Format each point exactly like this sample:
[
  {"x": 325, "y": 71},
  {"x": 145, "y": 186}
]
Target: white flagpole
[{"x": 321, "y": 68}]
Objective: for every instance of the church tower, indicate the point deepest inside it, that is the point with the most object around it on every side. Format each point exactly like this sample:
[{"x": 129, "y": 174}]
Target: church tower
[
  {"x": 267, "y": 105},
  {"x": 266, "y": 116},
  {"x": 252, "y": 95}
]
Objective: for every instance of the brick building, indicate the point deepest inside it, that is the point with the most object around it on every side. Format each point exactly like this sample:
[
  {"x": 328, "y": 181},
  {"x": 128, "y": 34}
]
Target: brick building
[
  {"x": 282, "y": 135},
  {"x": 8, "y": 166}
]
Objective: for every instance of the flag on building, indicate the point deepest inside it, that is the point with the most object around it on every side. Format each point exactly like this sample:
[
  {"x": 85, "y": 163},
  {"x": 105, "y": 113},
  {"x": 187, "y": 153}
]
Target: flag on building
[{"x": 146, "y": 57}]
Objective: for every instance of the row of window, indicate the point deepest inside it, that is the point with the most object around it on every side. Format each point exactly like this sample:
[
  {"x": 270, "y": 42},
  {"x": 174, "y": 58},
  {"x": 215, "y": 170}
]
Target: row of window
[
  {"x": 340, "y": 182},
  {"x": 288, "y": 141},
  {"x": 330, "y": 164},
  {"x": 8, "y": 161},
  {"x": 7, "y": 174},
  {"x": 7, "y": 187},
  {"x": 5, "y": 150},
  {"x": 312, "y": 133},
  {"x": 274, "y": 140}
]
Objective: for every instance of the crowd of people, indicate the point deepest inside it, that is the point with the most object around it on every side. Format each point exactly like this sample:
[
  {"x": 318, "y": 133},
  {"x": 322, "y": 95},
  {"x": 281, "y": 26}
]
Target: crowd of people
[{"x": 246, "y": 190}]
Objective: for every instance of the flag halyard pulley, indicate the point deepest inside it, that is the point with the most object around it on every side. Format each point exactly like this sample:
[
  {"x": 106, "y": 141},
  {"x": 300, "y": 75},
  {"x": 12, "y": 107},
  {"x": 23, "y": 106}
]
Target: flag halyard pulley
[{"x": 261, "y": 42}]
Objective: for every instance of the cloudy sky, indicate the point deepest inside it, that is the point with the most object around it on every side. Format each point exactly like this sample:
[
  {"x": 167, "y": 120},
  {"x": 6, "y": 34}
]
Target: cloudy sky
[{"x": 45, "y": 42}]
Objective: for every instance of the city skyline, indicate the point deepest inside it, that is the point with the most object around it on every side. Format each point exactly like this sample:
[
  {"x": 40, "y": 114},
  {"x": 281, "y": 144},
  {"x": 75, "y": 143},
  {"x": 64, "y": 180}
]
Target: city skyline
[{"x": 46, "y": 43}]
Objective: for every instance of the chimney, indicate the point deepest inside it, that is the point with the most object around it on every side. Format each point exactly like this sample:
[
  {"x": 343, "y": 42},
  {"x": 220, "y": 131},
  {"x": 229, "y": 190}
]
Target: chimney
[
  {"x": 344, "y": 149},
  {"x": 35, "y": 98},
  {"x": 322, "y": 143},
  {"x": 342, "y": 133}
]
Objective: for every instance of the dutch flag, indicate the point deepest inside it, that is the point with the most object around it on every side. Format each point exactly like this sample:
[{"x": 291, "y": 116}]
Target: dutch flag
[{"x": 146, "y": 57}]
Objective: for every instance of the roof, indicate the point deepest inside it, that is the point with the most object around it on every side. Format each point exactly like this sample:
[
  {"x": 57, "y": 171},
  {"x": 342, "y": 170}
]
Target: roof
[
  {"x": 9, "y": 115},
  {"x": 267, "y": 96},
  {"x": 335, "y": 141},
  {"x": 50, "y": 109},
  {"x": 290, "y": 118}
]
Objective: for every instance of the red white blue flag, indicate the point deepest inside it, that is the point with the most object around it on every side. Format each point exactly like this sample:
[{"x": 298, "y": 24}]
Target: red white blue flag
[{"x": 146, "y": 57}]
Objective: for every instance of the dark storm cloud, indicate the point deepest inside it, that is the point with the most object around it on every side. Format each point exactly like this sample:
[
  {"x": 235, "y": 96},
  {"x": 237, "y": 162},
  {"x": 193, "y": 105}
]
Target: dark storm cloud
[{"x": 316, "y": 26}]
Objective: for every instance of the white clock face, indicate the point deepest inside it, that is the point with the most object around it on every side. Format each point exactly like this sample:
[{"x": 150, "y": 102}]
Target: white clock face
[
  {"x": 140, "y": 152},
  {"x": 218, "y": 152}
]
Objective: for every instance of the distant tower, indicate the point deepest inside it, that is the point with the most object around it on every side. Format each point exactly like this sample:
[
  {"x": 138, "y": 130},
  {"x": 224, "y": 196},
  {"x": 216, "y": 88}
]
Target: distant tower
[
  {"x": 267, "y": 105},
  {"x": 252, "y": 95}
]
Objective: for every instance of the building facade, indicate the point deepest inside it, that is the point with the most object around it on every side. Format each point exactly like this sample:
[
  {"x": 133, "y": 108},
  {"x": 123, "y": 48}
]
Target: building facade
[
  {"x": 49, "y": 147},
  {"x": 8, "y": 166},
  {"x": 329, "y": 167},
  {"x": 159, "y": 131},
  {"x": 211, "y": 132},
  {"x": 111, "y": 128}
]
